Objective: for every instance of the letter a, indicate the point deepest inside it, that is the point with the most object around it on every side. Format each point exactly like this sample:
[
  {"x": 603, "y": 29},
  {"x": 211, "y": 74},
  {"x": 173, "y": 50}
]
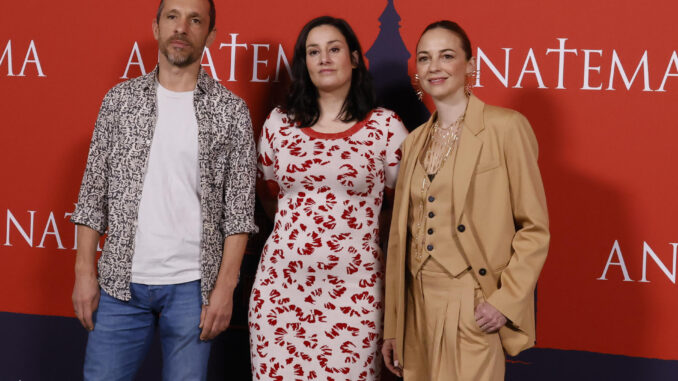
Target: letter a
[
  {"x": 210, "y": 64},
  {"x": 672, "y": 64},
  {"x": 139, "y": 62},
  {"x": 530, "y": 60},
  {"x": 616, "y": 249},
  {"x": 35, "y": 60}
]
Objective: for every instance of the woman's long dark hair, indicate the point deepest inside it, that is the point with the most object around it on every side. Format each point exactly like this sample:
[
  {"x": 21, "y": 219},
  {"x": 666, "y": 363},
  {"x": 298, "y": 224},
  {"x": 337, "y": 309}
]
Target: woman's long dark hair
[{"x": 302, "y": 100}]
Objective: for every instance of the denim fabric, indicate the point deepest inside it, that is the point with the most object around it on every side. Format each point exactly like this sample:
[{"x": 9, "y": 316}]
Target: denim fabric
[{"x": 123, "y": 332}]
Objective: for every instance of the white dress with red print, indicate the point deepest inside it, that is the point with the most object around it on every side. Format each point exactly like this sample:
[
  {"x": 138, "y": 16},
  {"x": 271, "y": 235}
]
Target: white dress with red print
[{"x": 316, "y": 307}]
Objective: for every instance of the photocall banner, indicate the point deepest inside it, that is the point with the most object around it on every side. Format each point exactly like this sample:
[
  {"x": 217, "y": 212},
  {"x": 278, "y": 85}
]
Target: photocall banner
[{"x": 597, "y": 80}]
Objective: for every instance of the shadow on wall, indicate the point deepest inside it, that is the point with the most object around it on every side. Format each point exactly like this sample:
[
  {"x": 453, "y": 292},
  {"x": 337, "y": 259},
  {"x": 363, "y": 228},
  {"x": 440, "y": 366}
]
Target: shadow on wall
[{"x": 388, "y": 58}]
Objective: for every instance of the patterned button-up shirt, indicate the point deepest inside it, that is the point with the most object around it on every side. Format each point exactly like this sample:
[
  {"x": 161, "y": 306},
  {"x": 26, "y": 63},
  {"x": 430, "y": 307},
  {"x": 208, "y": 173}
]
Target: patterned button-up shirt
[{"x": 117, "y": 161}]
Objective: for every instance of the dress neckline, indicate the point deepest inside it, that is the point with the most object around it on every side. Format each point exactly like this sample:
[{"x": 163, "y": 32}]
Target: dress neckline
[{"x": 338, "y": 135}]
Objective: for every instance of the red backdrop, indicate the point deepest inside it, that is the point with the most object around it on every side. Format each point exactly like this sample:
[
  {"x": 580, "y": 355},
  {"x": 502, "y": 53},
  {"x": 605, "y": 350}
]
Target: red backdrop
[{"x": 607, "y": 142}]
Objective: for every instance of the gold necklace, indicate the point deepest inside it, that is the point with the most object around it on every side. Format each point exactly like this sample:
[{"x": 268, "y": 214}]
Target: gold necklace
[{"x": 440, "y": 143}]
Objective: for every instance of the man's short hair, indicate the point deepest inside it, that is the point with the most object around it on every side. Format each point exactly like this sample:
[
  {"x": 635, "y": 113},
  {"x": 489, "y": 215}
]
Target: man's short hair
[{"x": 213, "y": 13}]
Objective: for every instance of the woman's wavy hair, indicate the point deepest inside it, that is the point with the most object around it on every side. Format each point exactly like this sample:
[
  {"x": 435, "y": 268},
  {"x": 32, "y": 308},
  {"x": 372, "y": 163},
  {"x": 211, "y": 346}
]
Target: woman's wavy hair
[{"x": 302, "y": 100}]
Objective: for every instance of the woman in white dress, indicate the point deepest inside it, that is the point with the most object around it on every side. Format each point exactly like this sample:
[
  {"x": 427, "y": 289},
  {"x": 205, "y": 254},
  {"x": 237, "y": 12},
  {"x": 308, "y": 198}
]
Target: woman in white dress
[{"x": 328, "y": 160}]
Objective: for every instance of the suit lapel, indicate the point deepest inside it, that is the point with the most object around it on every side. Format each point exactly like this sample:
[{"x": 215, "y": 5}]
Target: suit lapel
[{"x": 469, "y": 147}]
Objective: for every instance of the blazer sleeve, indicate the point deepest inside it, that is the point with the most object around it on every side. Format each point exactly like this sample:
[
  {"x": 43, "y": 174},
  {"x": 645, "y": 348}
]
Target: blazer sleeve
[{"x": 531, "y": 240}]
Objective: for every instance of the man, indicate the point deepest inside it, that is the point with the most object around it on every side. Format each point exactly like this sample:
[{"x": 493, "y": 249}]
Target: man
[{"x": 170, "y": 174}]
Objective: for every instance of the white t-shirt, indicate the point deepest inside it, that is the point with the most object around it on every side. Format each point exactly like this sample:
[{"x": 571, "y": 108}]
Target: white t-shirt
[{"x": 167, "y": 243}]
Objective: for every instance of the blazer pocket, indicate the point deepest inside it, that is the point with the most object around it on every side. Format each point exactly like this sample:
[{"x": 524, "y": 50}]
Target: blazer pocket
[
  {"x": 497, "y": 271},
  {"x": 501, "y": 268},
  {"x": 487, "y": 166}
]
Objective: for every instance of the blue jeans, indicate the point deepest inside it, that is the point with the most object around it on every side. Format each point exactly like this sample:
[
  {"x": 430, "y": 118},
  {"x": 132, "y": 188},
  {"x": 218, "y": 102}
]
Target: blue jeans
[{"x": 123, "y": 332}]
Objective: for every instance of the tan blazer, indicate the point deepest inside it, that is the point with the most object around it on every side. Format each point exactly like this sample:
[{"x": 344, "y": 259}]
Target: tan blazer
[{"x": 501, "y": 221}]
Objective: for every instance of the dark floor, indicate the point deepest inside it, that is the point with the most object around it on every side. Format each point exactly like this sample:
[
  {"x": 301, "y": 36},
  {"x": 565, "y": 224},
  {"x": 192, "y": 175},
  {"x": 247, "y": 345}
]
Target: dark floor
[{"x": 41, "y": 348}]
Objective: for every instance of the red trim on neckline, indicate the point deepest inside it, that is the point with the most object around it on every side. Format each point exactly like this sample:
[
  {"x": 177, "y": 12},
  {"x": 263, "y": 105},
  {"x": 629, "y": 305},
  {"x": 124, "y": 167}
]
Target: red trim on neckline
[{"x": 337, "y": 135}]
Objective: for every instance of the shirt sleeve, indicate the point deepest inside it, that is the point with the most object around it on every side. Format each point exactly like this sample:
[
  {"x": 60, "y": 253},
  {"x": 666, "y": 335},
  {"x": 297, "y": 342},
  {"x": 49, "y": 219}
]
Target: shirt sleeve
[
  {"x": 396, "y": 134},
  {"x": 92, "y": 206},
  {"x": 240, "y": 176}
]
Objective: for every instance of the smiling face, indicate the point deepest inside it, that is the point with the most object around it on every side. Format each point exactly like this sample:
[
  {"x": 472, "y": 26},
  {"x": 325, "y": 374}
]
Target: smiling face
[
  {"x": 442, "y": 64},
  {"x": 328, "y": 60},
  {"x": 182, "y": 31}
]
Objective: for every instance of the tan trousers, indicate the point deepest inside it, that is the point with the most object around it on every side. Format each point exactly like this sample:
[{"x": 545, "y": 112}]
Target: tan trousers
[{"x": 442, "y": 340}]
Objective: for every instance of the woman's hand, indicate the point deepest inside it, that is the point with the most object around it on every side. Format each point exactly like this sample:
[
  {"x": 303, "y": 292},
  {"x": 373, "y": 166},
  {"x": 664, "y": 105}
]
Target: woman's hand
[
  {"x": 488, "y": 318},
  {"x": 389, "y": 350}
]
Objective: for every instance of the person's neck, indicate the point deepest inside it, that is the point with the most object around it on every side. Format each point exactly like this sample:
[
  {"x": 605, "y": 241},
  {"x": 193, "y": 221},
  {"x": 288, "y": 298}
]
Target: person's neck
[
  {"x": 451, "y": 108},
  {"x": 176, "y": 78},
  {"x": 330, "y": 104}
]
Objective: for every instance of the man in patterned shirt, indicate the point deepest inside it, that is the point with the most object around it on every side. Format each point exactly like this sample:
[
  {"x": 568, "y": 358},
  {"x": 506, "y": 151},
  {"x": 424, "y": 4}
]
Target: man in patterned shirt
[{"x": 170, "y": 178}]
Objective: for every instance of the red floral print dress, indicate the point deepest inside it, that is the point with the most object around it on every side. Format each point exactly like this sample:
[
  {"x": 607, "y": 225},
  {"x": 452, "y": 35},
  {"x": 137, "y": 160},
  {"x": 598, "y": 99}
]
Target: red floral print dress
[{"x": 316, "y": 308}]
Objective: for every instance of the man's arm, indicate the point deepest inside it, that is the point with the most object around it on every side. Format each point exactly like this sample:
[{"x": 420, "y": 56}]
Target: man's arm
[
  {"x": 216, "y": 316},
  {"x": 91, "y": 214},
  {"x": 238, "y": 209},
  {"x": 92, "y": 207},
  {"x": 86, "y": 288}
]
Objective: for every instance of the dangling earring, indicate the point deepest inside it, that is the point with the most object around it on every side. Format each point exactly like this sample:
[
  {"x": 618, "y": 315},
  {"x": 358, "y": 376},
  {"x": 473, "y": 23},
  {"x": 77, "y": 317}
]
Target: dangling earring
[
  {"x": 417, "y": 87},
  {"x": 468, "y": 83}
]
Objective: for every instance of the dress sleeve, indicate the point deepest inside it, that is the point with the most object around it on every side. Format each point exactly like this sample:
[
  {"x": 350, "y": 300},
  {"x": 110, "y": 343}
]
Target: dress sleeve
[
  {"x": 266, "y": 161},
  {"x": 396, "y": 134}
]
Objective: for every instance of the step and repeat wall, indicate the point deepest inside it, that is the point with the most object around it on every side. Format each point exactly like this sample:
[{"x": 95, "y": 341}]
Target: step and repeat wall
[{"x": 597, "y": 80}]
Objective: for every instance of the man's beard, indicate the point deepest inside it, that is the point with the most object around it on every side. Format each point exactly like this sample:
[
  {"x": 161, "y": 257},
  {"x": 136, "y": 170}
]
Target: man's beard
[{"x": 179, "y": 58}]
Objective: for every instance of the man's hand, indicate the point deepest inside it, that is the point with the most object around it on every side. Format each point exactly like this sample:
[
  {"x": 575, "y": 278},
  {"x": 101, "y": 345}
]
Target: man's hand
[
  {"x": 389, "y": 350},
  {"x": 85, "y": 299},
  {"x": 488, "y": 318},
  {"x": 215, "y": 317}
]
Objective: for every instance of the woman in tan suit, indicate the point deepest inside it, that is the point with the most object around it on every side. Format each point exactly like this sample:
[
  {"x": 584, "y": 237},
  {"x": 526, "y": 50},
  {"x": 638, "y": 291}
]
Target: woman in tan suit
[{"x": 469, "y": 233}]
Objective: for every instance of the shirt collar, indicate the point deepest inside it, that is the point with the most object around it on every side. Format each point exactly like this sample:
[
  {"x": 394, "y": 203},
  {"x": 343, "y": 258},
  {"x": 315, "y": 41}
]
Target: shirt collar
[{"x": 204, "y": 84}]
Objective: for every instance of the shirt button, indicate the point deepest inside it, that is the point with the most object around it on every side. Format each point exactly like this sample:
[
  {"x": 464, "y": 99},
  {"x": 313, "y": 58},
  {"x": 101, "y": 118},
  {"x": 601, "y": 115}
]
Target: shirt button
[
  {"x": 482, "y": 272},
  {"x": 429, "y": 247},
  {"x": 431, "y": 214},
  {"x": 461, "y": 228},
  {"x": 430, "y": 231},
  {"x": 431, "y": 198}
]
